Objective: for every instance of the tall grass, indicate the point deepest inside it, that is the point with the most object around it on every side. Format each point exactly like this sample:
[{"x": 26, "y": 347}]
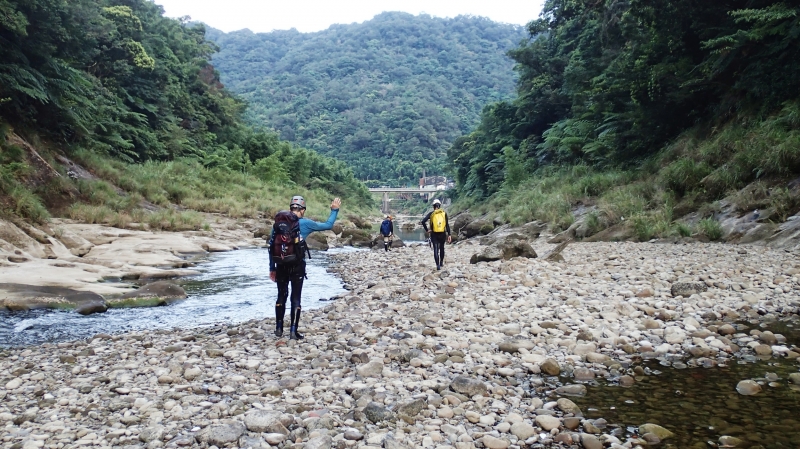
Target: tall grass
[
  {"x": 190, "y": 185},
  {"x": 22, "y": 200},
  {"x": 698, "y": 168}
]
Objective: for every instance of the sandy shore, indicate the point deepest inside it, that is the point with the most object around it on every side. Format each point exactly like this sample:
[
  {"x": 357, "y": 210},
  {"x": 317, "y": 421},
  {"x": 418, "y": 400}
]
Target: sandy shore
[{"x": 414, "y": 357}]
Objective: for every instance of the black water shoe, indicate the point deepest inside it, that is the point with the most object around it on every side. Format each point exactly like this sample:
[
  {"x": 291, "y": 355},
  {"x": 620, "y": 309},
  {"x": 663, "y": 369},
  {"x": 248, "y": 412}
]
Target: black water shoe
[{"x": 294, "y": 335}]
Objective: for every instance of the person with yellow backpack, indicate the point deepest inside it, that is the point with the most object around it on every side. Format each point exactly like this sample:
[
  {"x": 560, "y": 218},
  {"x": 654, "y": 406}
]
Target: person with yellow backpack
[{"x": 439, "y": 232}]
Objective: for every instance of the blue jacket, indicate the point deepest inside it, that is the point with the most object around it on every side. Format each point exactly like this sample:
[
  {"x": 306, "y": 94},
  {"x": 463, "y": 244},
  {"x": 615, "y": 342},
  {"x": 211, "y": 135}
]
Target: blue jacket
[{"x": 307, "y": 226}]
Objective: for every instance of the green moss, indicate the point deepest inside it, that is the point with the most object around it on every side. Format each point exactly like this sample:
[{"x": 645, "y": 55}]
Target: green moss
[{"x": 136, "y": 302}]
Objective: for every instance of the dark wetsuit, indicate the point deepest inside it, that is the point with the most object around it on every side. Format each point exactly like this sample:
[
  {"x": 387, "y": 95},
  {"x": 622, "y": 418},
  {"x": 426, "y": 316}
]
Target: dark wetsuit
[
  {"x": 438, "y": 239},
  {"x": 294, "y": 274}
]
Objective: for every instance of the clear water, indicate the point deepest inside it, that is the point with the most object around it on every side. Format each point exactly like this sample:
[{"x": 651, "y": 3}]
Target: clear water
[
  {"x": 232, "y": 287},
  {"x": 414, "y": 236},
  {"x": 701, "y": 404}
]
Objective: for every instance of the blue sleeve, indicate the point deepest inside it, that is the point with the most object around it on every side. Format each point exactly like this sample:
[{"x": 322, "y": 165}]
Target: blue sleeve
[
  {"x": 269, "y": 250},
  {"x": 308, "y": 226}
]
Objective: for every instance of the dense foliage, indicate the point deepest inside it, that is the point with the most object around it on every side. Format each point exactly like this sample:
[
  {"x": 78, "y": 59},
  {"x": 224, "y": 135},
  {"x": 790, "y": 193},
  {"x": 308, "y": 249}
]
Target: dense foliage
[
  {"x": 115, "y": 77},
  {"x": 609, "y": 83},
  {"x": 387, "y": 96}
]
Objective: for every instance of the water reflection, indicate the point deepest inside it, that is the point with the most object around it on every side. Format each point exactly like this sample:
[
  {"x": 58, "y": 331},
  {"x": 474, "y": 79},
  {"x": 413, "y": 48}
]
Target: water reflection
[{"x": 701, "y": 405}]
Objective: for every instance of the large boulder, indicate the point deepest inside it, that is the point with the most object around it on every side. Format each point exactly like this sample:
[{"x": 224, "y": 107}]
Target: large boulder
[
  {"x": 263, "y": 232},
  {"x": 87, "y": 303},
  {"x": 357, "y": 237},
  {"x": 318, "y": 241},
  {"x": 377, "y": 242},
  {"x": 532, "y": 229},
  {"x": 158, "y": 293},
  {"x": 477, "y": 227},
  {"x": 460, "y": 220},
  {"x": 504, "y": 249},
  {"x": 359, "y": 222}
]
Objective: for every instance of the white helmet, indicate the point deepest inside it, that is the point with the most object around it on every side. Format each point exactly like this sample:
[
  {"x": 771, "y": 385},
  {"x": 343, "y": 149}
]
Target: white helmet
[{"x": 436, "y": 202}]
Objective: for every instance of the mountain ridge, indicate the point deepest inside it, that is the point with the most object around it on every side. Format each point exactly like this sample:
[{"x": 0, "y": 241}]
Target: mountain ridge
[{"x": 387, "y": 96}]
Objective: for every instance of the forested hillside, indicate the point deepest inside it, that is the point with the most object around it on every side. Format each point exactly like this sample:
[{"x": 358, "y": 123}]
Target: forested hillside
[
  {"x": 658, "y": 107},
  {"x": 115, "y": 84},
  {"x": 387, "y": 96}
]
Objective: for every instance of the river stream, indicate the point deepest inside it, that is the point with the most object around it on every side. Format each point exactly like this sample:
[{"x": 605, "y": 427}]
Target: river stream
[{"x": 232, "y": 287}]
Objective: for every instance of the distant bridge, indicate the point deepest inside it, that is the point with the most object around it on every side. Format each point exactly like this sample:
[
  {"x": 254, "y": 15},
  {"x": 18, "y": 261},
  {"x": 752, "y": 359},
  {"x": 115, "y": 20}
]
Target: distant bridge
[{"x": 413, "y": 190}]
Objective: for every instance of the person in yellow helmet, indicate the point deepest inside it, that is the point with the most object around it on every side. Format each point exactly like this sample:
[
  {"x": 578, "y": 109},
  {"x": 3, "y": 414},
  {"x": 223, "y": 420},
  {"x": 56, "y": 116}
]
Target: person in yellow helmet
[{"x": 439, "y": 232}]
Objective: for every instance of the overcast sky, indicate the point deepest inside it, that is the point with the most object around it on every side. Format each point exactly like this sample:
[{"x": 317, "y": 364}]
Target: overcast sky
[{"x": 316, "y": 15}]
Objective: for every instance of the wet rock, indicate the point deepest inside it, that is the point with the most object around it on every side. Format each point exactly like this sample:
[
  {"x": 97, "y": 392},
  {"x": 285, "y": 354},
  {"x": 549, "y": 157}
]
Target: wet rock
[
  {"x": 156, "y": 293},
  {"x": 572, "y": 390},
  {"x": 87, "y": 303},
  {"x": 748, "y": 388},
  {"x": 729, "y": 441},
  {"x": 567, "y": 406},
  {"x": 655, "y": 429}
]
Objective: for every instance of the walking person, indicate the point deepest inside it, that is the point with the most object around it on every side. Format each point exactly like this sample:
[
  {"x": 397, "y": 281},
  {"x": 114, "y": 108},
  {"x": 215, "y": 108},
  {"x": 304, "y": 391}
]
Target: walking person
[
  {"x": 287, "y": 265},
  {"x": 439, "y": 232},
  {"x": 387, "y": 231}
]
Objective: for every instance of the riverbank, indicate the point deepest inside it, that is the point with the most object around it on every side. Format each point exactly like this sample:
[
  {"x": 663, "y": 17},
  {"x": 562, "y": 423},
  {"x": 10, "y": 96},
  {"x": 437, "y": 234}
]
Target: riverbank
[
  {"x": 49, "y": 266},
  {"x": 411, "y": 357}
]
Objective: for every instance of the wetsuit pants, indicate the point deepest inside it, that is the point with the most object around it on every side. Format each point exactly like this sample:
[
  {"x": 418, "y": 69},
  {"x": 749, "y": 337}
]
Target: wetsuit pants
[
  {"x": 387, "y": 242},
  {"x": 285, "y": 275},
  {"x": 437, "y": 240}
]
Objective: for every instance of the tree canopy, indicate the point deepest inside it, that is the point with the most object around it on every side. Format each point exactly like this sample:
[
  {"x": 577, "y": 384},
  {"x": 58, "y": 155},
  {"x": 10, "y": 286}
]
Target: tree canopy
[
  {"x": 387, "y": 96},
  {"x": 119, "y": 78},
  {"x": 608, "y": 83}
]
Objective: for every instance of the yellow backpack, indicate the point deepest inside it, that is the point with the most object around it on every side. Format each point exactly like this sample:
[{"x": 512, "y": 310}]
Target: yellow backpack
[{"x": 438, "y": 221}]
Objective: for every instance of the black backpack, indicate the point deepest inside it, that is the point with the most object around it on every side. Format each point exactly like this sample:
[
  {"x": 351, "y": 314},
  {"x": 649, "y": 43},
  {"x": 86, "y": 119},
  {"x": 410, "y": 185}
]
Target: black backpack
[{"x": 287, "y": 246}]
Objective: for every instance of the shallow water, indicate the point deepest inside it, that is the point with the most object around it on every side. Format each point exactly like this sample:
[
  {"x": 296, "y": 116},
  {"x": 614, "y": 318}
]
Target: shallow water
[
  {"x": 233, "y": 287},
  {"x": 701, "y": 404}
]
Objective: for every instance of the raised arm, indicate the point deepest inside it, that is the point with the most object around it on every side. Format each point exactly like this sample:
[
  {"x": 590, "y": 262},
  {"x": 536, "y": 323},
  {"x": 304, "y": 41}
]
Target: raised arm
[{"x": 312, "y": 226}]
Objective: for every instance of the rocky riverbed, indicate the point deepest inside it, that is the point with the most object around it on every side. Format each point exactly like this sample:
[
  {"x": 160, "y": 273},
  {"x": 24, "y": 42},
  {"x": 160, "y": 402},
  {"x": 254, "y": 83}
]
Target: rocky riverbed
[{"x": 475, "y": 355}]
